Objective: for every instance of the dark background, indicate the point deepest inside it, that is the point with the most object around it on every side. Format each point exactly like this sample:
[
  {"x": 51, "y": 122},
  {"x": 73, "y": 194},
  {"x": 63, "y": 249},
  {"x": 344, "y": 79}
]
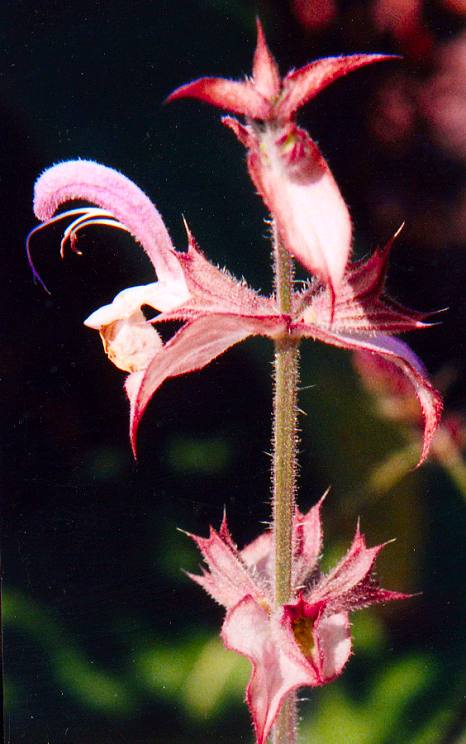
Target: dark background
[{"x": 106, "y": 640}]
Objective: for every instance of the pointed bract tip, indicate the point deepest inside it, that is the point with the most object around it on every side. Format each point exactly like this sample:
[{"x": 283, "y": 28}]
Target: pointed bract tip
[
  {"x": 192, "y": 242},
  {"x": 224, "y": 524},
  {"x": 317, "y": 505},
  {"x": 262, "y": 50},
  {"x": 387, "y": 247},
  {"x": 134, "y": 446},
  {"x": 188, "y": 232},
  {"x": 260, "y": 31},
  {"x": 400, "y": 229},
  {"x": 324, "y": 495},
  {"x": 264, "y": 68},
  {"x": 185, "y": 532},
  {"x": 135, "y": 416}
]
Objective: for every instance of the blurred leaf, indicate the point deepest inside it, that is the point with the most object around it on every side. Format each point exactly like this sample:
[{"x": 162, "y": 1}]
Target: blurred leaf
[
  {"x": 368, "y": 632},
  {"x": 396, "y": 687},
  {"x": 161, "y": 668},
  {"x": 73, "y": 671},
  {"x": 433, "y": 732},
  {"x": 200, "y": 673},
  {"x": 337, "y": 719},
  {"x": 377, "y": 718},
  {"x": 105, "y": 464},
  {"x": 393, "y": 468},
  {"x": 12, "y": 694},
  {"x": 217, "y": 674},
  {"x": 340, "y": 421},
  {"x": 95, "y": 689},
  {"x": 196, "y": 456}
]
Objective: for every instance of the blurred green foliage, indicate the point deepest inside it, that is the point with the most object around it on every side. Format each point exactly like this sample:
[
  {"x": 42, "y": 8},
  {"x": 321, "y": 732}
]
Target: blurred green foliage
[
  {"x": 376, "y": 719},
  {"x": 73, "y": 672},
  {"x": 190, "y": 456}
]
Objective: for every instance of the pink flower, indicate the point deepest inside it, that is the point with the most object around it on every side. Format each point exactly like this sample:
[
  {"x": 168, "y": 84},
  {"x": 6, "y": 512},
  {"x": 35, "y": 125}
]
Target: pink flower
[
  {"x": 305, "y": 643},
  {"x": 218, "y": 311},
  {"x": 390, "y": 388},
  {"x": 284, "y": 163}
]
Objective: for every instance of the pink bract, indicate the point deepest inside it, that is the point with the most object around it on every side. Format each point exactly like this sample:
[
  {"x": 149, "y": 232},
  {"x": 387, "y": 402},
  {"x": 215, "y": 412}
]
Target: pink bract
[
  {"x": 304, "y": 643},
  {"x": 217, "y": 311}
]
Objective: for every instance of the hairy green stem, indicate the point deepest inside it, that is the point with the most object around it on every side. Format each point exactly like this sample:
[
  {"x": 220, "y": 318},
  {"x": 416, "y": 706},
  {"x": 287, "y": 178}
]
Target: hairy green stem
[
  {"x": 285, "y": 729},
  {"x": 284, "y": 464}
]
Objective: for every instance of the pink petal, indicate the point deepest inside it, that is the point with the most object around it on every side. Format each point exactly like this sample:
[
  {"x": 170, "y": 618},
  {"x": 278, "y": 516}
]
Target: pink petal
[
  {"x": 264, "y": 69},
  {"x": 258, "y": 555},
  {"x": 362, "y": 294},
  {"x": 278, "y": 666},
  {"x": 303, "y": 84},
  {"x": 193, "y": 347},
  {"x": 229, "y": 580},
  {"x": 322, "y": 639},
  {"x": 303, "y": 198},
  {"x": 157, "y": 295},
  {"x": 382, "y": 378},
  {"x": 243, "y": 133},
  {"x": 396, "y": 351},
  {"x": 307, "y": 543},
  {"x": 332, "y": 634},
  {"x": 130, "y": 343},
  {"x": 110, "y": 190},
  {"x": 230, "y": 95}
]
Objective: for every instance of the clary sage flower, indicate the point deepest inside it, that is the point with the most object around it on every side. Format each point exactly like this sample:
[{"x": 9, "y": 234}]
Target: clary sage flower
[
  {"x": 217, "y": 310},
  {"x": 304, "y": 643}
]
